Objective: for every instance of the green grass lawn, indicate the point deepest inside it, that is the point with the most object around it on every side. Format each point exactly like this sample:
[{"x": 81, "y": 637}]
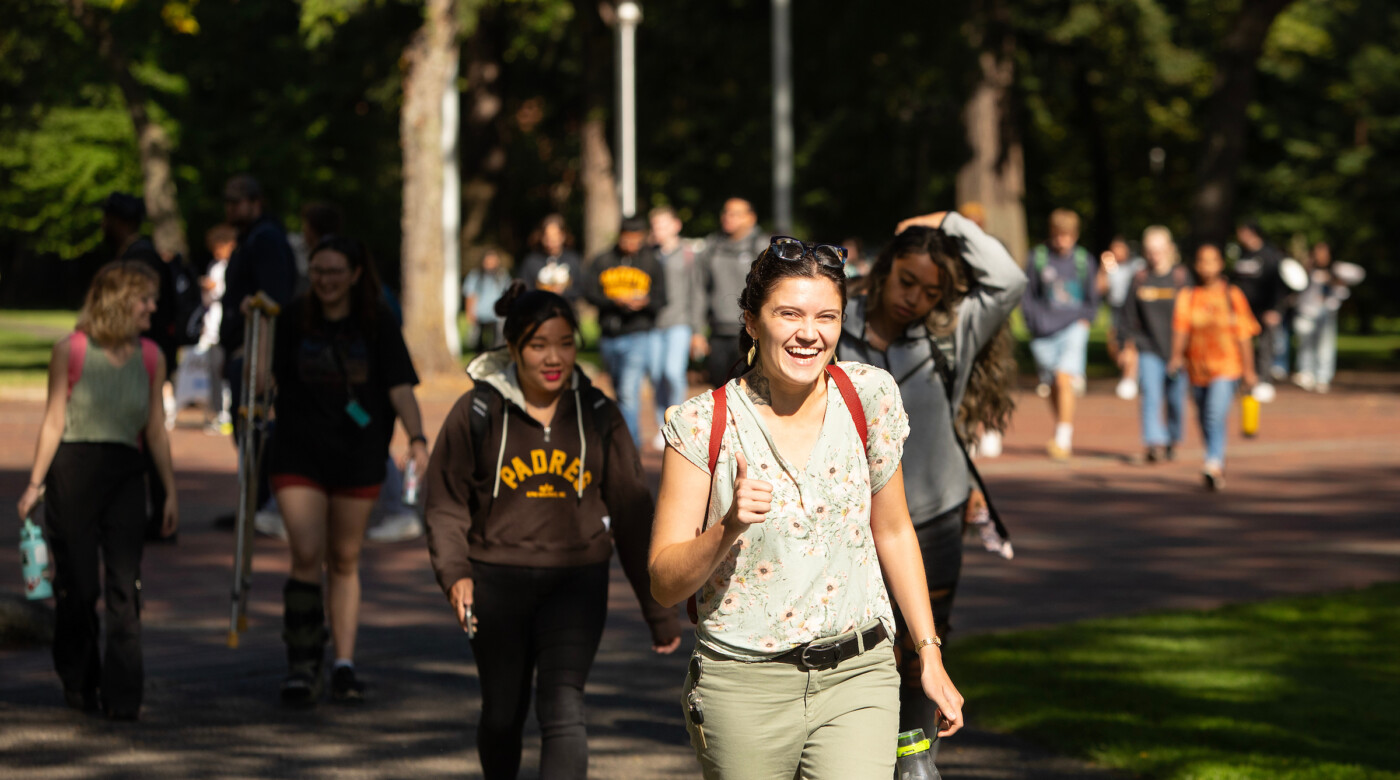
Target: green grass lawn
[
  {"x": 1298, "y": 689},
  {"x": 26, "y": 341}
]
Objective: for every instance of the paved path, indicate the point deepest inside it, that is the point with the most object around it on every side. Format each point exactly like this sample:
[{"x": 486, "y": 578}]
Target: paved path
[{"x": 1312, "y": 505}]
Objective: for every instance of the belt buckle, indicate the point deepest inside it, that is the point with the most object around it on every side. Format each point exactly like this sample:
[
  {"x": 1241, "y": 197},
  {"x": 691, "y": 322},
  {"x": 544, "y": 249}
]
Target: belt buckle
[{"x": 834, "y": 648}]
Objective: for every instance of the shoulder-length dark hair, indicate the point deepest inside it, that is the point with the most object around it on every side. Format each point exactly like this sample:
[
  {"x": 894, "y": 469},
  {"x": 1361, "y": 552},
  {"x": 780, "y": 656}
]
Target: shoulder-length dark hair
[
  {"x": 367, "y": 292},
  {"x": 525, "y": 310}
]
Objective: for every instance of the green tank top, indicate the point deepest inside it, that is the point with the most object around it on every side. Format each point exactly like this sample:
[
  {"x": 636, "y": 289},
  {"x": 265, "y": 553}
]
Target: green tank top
[{"x": 109, "y": 403}]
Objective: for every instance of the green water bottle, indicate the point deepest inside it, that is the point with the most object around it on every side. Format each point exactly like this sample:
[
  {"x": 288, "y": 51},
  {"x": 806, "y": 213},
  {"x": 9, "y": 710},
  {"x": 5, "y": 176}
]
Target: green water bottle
[{"x": 914, "y": 757}]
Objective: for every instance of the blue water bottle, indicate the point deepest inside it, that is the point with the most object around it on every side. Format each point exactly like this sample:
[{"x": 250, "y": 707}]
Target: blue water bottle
[{"x": 34, "y": 562}]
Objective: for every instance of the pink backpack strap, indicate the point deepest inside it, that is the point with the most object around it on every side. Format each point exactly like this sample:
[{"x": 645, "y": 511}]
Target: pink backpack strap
[
  {"x": 77, "y": 353},
  {"x": 150, "y": 358},
  {"x": 848, "y": 394}
]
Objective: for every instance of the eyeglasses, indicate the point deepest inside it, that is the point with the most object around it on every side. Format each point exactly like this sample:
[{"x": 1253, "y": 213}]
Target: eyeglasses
[{"x": 793, "y": 250}]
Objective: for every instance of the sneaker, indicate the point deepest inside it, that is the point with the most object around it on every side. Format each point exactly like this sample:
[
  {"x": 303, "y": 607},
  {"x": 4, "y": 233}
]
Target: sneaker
[
  {"x": 1278, "y": 373},
  {"x": 1305, "y": 381},
  {"x": 1153, "y": 455},
  {"x": 1042, "y": 390},
  {"x": 397, "y": 527},
  {"x": 1264, "y": 393},
  {"x": 1056, "y": 452},
  {"x": 1214, "y": 478},
  {"x": 1169, "y": 452},
  {"x": 345, "y": 688},
  {"x": 1322, "y": 387},
  {"x": 269, "y": 523},
  {"x": 301, "y": 688}
]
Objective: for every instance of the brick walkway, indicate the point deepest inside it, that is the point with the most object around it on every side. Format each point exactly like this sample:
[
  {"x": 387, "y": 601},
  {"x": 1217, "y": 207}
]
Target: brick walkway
[{"x": 1312, "y": 505}]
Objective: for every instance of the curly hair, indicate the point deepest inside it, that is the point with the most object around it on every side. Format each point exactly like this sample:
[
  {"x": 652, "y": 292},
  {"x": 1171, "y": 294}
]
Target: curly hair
[
  {"x": 987, "y": 403},
  {"x": 107, "y": 317},
  {"x": 766, "y": 272}
]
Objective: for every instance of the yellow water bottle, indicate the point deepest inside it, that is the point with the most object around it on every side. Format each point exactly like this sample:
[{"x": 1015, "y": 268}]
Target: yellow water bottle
[{"x": 1249, "y": 415}]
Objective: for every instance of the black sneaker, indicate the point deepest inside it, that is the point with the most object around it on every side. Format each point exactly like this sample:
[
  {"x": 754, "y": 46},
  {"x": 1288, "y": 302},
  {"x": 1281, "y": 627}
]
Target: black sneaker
[
  {"x": 1153, "y": 454},
  {"x": 301, "y": 689},
  {"x": 83, "y": 701},
  {"x": 345, "y": 688},
  {"x": 1170, "y": 452}
]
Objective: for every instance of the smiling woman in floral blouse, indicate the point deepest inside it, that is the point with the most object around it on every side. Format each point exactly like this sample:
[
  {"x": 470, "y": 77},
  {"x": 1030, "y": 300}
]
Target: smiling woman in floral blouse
[{"x": 786, "y": 542}]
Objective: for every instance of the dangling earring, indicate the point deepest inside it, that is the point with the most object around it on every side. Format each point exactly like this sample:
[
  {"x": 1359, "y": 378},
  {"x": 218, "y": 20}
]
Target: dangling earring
[{"x": 753, "y": 351}]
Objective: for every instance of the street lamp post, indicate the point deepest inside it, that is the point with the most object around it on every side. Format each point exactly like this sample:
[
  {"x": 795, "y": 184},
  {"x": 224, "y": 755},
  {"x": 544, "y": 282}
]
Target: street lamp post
[
  {"x": 629, "y": 15},
  {"x": 782, "y": 116}
]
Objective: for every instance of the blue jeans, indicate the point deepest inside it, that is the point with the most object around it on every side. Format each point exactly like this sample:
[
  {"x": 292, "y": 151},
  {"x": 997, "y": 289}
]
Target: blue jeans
[
  {"x": 1317, "y": 345},
  {"x": 1156, "y": 387},
  {"x": 626, "y": 358},
  {"x": 1213, "y": 405},
  {"x": 670, "y": 357}
]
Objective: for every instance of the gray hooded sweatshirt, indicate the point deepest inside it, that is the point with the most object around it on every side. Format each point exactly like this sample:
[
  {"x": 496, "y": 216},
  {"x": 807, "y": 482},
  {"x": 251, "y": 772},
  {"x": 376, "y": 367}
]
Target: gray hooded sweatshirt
[{"x": 936, "y": 479}]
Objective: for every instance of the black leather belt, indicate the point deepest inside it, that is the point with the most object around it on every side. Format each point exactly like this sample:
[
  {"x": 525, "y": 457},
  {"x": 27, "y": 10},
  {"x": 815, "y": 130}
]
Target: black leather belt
[{"x": 819, "y": 655}]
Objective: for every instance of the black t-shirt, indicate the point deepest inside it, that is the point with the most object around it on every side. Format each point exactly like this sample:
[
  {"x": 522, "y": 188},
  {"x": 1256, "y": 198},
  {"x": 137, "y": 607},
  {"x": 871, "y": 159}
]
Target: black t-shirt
[{"x": 320, "y": 369}]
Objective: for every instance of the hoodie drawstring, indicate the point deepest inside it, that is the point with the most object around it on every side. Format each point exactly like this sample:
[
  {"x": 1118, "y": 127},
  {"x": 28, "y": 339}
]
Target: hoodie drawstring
[
  {"x": 583, "y": 440},
  {"x": 501, "y": 457}
]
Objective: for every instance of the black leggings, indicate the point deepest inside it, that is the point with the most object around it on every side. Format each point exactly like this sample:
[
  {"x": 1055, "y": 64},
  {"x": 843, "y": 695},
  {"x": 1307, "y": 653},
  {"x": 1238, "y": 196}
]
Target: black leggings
[
  {"x": 940, "y": 542},
  {"x": 530, "y": 618},
  {"x": 96, "y": 501}
]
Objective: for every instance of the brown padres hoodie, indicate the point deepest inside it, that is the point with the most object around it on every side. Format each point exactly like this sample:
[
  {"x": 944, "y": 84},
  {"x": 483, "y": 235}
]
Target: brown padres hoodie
[{"x": 545, "y": 496}]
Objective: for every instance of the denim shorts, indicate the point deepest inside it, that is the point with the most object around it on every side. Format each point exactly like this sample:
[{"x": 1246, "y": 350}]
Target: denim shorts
[{"x": 1065, "y": 352}]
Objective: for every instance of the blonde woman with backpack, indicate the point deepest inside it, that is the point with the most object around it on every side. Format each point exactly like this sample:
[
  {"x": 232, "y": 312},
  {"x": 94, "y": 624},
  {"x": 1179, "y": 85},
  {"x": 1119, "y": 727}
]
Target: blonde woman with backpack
[{"x": 104, "y": 407}]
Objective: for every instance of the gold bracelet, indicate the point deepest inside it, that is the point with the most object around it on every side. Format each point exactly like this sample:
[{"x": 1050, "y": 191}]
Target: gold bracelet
[{"x": 933, "y": 640}]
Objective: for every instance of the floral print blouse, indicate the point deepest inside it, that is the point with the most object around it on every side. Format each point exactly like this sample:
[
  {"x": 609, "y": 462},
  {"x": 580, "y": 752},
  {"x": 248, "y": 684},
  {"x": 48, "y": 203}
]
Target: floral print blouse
[{"x": 809, "y": 571}]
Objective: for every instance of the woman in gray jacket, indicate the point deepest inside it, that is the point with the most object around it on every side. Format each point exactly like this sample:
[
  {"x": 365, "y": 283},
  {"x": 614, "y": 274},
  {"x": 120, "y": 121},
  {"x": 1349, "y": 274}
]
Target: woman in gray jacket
[{"x": 939, "y": 295}]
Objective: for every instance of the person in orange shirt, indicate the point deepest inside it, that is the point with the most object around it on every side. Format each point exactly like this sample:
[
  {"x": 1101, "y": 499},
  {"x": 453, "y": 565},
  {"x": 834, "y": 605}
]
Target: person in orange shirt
[{"x": 1213, "y": 332}]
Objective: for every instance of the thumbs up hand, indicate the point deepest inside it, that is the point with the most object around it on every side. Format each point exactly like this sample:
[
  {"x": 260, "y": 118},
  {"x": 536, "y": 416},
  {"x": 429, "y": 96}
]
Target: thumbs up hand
[{"x": 752, "y": 499}]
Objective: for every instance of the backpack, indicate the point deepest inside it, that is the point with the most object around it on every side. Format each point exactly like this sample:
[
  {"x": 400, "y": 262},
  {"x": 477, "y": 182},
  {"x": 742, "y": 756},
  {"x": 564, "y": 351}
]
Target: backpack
[
  {"x": 720, "y": 418},
  {"x": 77, "y": 354},
  {"x": 1040, "y": 258},
  {"x": 486, "y": 405}
]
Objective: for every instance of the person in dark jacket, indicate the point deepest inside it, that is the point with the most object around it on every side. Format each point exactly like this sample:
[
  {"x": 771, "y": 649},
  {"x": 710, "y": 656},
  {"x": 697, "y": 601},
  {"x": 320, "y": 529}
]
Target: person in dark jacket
[
  {"x": 1257, "y": 275},
  {"x": 628, "y": 285},
  {"x": 1147, "y": 326},
  {"x": 552, "y": 263},
  {"x": 532, "y": 480},
  {"x": 722, "y": 267}
]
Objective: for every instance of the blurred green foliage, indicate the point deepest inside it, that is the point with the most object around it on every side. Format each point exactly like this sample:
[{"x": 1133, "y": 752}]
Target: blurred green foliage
[{"x": 306, "y": 96}]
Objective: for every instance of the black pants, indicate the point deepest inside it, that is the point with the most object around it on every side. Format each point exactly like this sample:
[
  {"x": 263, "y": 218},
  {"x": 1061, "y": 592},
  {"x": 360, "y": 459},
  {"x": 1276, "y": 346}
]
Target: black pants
[
  {"x": 529, "y": 619},
  {"x": 96, "y": 507},
  {"x": 940, "y": 542},
  {"x": 724, "y": 353}
]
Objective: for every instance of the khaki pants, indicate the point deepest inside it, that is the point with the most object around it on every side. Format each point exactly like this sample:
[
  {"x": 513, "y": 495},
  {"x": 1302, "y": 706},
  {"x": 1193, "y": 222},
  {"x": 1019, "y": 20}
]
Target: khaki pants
[{"x": 776, "y": 721}]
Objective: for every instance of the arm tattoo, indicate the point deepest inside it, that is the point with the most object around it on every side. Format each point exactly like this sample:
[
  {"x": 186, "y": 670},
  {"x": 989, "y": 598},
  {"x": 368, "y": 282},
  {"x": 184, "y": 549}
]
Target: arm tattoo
[{"x": 756, "y": 385}]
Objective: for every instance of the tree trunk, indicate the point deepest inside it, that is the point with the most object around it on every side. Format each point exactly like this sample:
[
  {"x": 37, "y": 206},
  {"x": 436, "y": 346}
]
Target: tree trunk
[
  {"x": 430, "y": 63},
  {"x": 1226, "y": 125},
  {"x": 996, "y": 174},
  {"x": 483, "y": 150},
  {"x": 602, "y": 212},
  {"x": 152, "y": 143},
  {"x": 1105, "y": 222}
]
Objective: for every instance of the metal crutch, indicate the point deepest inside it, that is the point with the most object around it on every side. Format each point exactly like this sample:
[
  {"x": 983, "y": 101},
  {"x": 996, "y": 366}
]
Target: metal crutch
[{"x": 257, "y": 394}]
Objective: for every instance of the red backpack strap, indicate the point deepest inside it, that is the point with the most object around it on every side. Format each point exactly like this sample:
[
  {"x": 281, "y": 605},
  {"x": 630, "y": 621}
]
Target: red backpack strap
[
  {"x": 150, "y": 358},
  {"x": 848, "y": 394},
  {"x": 77, "y": 353},
  {"x": 717, "y": 422},
  {"x": 717, "y": 426}
]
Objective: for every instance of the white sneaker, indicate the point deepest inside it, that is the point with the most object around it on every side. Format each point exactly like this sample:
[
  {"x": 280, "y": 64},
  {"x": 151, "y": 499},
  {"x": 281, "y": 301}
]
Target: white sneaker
[
  {"x": 269, "y": 522},
  {"x": 397, "y": 527},
  {"x": 1127, "y": 388},
  {"x": 1322, "y": 387},
  {"x": 1264, "y": 393},
  {"x": 989, "y": 446},
  {"x": 1305, "y": 381}
]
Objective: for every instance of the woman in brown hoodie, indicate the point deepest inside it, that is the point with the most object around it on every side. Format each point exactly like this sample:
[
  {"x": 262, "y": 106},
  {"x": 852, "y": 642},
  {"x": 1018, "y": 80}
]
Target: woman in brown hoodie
[{"x": 533, "y": 477}]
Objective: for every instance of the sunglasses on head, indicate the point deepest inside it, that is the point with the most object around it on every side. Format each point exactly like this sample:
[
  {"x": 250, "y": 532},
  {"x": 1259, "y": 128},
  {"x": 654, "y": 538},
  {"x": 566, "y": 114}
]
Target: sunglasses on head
[{"x": 791, "y": 249}]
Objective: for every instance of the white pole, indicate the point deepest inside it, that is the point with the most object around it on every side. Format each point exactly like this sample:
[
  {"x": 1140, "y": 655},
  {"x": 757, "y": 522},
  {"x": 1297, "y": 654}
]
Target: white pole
[
  {"x": 782, "y": 116},
  {"x": 629, "y": 15},
  {"x": 451, "y": 213}
]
